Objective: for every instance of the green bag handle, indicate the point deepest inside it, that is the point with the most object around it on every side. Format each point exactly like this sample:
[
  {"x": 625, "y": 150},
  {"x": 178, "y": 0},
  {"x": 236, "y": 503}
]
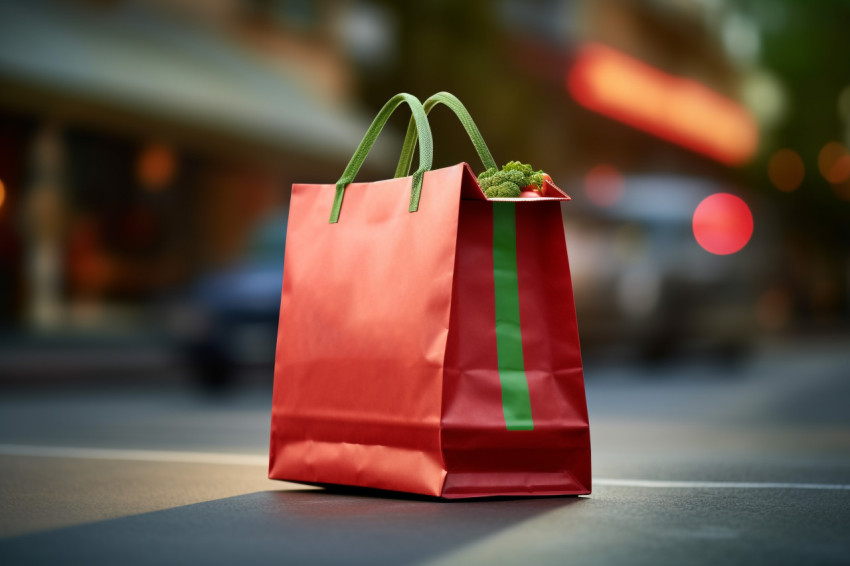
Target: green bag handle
[
  {"x": 426, "y": 150},
  {"x": 462, "y": 113}
]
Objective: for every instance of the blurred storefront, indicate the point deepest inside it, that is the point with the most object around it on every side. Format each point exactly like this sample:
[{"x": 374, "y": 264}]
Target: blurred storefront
[{"x": 141, "y": 142}]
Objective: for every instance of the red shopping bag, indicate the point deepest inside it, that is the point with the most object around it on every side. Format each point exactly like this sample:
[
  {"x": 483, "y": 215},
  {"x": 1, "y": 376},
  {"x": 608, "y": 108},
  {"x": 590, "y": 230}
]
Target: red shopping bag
[{"x": 427, "y": 339}]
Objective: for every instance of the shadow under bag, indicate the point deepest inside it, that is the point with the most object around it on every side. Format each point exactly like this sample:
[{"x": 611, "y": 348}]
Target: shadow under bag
[{"x": 427, "y": 339}]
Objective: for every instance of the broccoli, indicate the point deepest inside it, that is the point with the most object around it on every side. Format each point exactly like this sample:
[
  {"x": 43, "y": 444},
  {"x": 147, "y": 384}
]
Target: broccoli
[{"x": 509, "y": 181}]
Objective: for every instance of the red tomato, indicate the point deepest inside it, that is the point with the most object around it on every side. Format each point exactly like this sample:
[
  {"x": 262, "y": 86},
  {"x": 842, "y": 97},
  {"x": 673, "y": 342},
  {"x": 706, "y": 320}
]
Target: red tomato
[
  {"x": 533, "y": 193},
  {"x": 546, "y": 178}
]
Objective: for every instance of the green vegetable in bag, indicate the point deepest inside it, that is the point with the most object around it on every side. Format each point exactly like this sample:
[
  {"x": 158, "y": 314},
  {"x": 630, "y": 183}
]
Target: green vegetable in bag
[{"x": 510, "y": 180}]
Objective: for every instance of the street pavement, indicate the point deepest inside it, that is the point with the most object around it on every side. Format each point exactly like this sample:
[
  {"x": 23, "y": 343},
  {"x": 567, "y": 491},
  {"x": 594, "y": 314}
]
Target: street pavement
[{"x": 695, "y": 462}]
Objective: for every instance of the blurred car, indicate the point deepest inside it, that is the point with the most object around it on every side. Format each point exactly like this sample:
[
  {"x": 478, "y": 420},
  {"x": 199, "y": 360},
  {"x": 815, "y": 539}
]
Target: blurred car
[
  {"x": 227, "y": 320},
  {"x": 643, "y": 285}
]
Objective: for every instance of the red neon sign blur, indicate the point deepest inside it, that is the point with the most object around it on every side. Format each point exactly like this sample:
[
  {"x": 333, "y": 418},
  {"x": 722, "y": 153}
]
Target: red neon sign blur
[{"x": 679, "y": 110}]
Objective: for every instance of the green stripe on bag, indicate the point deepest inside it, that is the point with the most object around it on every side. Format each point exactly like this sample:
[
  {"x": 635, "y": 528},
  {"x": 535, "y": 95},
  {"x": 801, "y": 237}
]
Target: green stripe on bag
[{"x": 515, "y": 399}]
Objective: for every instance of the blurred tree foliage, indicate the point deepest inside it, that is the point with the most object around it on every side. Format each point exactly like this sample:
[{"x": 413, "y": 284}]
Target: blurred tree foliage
[
  {"x": 806, "y": 45},
  {"x": 459, "y": 47}
]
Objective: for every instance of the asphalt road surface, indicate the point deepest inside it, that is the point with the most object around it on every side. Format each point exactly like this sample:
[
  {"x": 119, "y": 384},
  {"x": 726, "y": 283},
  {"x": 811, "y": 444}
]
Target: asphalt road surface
[{"x": 694, "y": 463}]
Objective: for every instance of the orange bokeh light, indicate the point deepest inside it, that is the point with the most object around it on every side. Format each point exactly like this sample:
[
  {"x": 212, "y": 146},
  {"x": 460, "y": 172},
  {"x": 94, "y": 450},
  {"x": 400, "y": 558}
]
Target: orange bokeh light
[
  {"x": 2, "y": 193},
  {"x": 786, "y": 170},
  {"x": 723, "y": 223},
  {"x": 604, "y": 185},
  {"x": 834, "y": 163},
  {"x": 840, "y": 170},
  {"x": 679, "y": 110},
  {"x": 156, "y": 167},
  {"x": 842, "y": 190}
]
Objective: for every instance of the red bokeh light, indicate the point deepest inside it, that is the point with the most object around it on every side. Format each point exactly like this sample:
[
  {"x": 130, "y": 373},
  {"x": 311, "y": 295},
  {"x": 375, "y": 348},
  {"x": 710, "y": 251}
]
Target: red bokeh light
[{"x": 723, "y": 224}]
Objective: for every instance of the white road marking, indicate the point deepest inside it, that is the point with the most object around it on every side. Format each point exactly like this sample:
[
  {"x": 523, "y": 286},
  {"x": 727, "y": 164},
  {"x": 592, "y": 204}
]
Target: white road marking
[
  {"x": 716, "y": 484},
  {"x": 217, "y": 458},
  {"x": 135, "y": 455}
]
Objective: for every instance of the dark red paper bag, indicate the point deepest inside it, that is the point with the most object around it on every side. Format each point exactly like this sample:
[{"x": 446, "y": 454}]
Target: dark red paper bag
[{"x": 427, "y": 339}]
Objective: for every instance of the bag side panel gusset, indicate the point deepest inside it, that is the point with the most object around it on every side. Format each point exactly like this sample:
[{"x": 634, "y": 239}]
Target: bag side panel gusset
[{"x": 482, "y": 456}]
